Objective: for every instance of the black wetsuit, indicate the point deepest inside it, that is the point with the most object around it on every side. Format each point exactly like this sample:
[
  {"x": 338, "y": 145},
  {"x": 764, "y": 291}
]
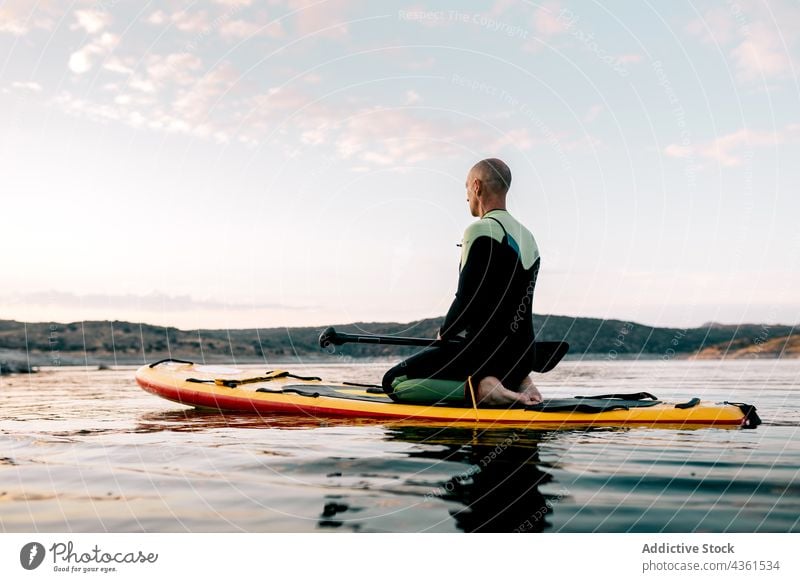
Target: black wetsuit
[{"x": 493, "y": 308}]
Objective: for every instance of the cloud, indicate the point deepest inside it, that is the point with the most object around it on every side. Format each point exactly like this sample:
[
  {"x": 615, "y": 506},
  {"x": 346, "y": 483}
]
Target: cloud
[
  {"x": 229, "y": 28},
  {"x": 239, "y": 29},
  {"x": 501, "y": 6},
  {"x": 319, "y": 19},
  {"x": 194, "y": 103},
  {"x": 678, "y": 151},
  {"x": 412, "y": 97},
  {"x": 27, "y": 86},
  {"x": 176, "y": 93},
  {"x": 420, "y": 64},
  {"x": 117, "y": 65},
  {"x": 190, "y": 21},
  {"x": 158, "y": 18},
  {"x": 92, "y": 21},
  {"x": 242, "y": 29},
  {"x": 761, "y": 55},
  {"x": 400, "y": 137},
  {"x": 593, "y": 112},
  {"x": 179, "y": 68},
  {"x": 159, "y": 71},
  {"x": 630, "y": 59},
  {"x": 142, "y": 84},
  {"x": 150, "y": 302},
  {"x": 82, "y": 61},
  {"x": 183, "y": 20},
  {"x": 19, "y": 17},
  {"x": 11, "y": 26},
  {"x": 277, "y": 105},
  {"x": 753, "y": 35},
  {"x": 727, "y": 150},
  {"x": 234, "y": 3},
  {"x": 715, "y": 26},
  {"x": 517, "y": 138},
  {"x": 547, "y": 20},
  {"x": 290, "y": 117}
]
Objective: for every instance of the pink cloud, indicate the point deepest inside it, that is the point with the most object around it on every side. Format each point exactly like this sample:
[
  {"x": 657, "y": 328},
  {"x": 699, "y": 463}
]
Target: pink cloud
[
  {"x": 19, "y": 17},
  {"x": 234, "y": 3},
  {"x": 92, "y": 21},
  {"x": 190, "y": 21},
  {"x": 593, "y": 112},
  {"x": 312, "y": 17},
  {"x": 546, "y": 20},
  {"x": 729, "y": 149},
  {"x": 183, "y": 20},
  {"x": 715, "y": 26},
  {"x": 82, "y": 60},
  {"x": 196, "y": 102},
  {"x": 761, "y": 55},
  {"x": 242, "y": 29},
  {"x": 630, "y": 59},
  {"x": 754, "y": 33},
  {"x": 501, "y": 6}
]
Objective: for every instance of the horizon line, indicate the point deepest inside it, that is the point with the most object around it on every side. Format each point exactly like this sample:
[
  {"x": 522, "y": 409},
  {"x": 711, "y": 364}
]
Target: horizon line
[{"x": 707, "y": 324}]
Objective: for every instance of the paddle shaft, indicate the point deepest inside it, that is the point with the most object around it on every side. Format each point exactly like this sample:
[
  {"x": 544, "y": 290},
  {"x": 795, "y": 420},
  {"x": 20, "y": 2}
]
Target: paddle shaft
[
  {"x": 546, "y": 354},
  {"x": 332, "y": 337}
]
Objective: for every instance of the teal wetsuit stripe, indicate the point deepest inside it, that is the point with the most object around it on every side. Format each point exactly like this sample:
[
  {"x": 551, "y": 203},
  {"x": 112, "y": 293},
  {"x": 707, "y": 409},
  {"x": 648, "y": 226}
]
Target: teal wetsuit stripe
[
  {"x": 512, "y": 243},
  {"x": 509, "y": 239}
]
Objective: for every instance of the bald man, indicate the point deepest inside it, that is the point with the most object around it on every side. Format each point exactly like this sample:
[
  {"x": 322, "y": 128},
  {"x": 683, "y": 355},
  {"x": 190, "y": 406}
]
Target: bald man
[{"x": 493, "y": 304}]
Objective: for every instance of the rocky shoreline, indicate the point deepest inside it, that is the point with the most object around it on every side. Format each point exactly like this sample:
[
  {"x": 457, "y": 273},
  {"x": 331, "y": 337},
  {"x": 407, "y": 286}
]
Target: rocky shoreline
[{"x": 26, "y": 347}]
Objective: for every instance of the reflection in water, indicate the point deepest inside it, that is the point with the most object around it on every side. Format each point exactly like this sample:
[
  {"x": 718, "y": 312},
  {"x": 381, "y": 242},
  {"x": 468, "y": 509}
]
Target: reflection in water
[
  {"x": 333, "y": 506},
  {"x": 373, "y": 476},
  {"x": 194, "y": 420},
  {"x": 499, "y": 488}
]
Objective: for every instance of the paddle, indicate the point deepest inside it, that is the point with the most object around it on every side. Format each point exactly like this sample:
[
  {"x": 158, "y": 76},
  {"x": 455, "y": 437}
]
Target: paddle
[{"x": 546, "y": 355}]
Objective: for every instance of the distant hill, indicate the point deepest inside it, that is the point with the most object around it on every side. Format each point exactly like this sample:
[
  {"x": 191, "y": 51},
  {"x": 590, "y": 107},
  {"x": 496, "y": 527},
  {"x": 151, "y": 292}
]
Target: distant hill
[
  {"x": 122, "y": 342},
  {"x": 779, "y": 347}
]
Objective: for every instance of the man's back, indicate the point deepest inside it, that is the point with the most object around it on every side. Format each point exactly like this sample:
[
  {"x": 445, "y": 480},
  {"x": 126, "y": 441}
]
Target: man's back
[{"x": 498, "y": 271}]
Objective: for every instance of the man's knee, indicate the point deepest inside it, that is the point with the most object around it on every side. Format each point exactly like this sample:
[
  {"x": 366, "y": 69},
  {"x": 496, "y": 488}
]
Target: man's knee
[{"x": 390, "y": 376}]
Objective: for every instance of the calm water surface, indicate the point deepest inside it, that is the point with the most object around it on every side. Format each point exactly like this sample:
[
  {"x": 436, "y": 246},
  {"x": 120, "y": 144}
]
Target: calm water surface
[{"x": 89, "y": 451}]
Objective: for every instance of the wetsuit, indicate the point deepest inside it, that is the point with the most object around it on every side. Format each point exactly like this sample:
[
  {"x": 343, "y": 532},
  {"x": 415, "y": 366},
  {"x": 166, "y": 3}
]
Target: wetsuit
[{"x": 492, "y": 308}]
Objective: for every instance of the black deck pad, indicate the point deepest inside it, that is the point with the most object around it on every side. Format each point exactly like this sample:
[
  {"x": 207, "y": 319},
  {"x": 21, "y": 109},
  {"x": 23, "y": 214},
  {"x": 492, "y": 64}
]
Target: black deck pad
[
  {"x": 582, "y": 404},
  {"x": 590, "y": 405},
  {"x": 317, "y": 390}
]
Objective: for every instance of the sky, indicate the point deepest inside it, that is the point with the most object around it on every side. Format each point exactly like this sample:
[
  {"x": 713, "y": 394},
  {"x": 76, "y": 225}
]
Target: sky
[{"x": 235, "y": 163}]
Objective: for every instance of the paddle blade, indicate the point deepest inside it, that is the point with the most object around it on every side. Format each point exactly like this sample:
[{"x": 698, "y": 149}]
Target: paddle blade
[{"x": 547, "y": 355}]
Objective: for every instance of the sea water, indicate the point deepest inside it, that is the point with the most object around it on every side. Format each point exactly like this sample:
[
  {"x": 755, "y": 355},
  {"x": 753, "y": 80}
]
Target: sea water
[{"x": 86, "y": 450}]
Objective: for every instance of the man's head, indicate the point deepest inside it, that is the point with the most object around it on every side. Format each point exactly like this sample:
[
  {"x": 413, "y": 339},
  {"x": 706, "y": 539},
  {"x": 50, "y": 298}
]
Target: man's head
[{"x": 487, "y": 185}]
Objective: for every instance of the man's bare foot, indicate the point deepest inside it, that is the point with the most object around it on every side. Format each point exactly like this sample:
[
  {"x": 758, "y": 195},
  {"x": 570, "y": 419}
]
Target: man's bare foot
[
  {"x": 529, "y": 388},
  {"x": 491, "y": 392}
]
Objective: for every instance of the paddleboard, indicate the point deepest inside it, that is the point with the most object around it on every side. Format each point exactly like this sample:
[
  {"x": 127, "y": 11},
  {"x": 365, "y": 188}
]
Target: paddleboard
[{"x": 234, "y": 389}]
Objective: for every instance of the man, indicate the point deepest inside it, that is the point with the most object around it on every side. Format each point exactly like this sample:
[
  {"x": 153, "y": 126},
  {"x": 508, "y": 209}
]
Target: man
[{"x": 493, "y": 304}]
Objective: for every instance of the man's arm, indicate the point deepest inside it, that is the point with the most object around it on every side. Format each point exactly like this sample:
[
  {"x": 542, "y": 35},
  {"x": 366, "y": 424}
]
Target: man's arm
[{"x": 474, "y": 285}]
